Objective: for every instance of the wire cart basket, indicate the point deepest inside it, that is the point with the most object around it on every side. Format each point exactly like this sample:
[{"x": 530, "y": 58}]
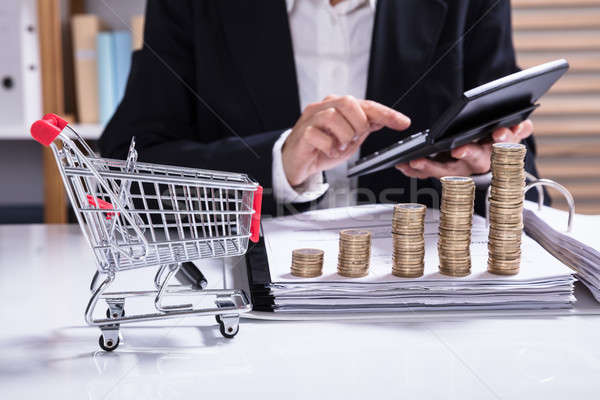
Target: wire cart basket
[{"x": 137, "y": 215}]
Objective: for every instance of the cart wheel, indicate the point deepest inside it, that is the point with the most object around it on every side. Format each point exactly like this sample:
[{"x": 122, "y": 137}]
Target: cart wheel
[
  {"x": 230, "y": 334},
  {"x": 110, "y": 345},
  {"x": 218, "y": 318},
  {"x": 109, "y": 316}
]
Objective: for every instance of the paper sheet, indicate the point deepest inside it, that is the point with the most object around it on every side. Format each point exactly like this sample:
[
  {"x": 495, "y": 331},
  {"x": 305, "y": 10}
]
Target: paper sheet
[
  {"x": 320, "y": 229},
  {"x": 578, "y": 249},
  {"x": 544, "y": 281}
]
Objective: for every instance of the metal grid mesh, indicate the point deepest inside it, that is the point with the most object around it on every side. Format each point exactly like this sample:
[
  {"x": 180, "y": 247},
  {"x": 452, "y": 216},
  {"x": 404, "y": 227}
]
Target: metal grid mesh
[{"x": 183, "y": 214}]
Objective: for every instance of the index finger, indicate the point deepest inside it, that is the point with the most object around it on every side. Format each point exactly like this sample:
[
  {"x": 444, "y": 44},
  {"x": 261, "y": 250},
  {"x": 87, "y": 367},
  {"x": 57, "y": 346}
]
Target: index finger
[{"x": 382, "y": 115}]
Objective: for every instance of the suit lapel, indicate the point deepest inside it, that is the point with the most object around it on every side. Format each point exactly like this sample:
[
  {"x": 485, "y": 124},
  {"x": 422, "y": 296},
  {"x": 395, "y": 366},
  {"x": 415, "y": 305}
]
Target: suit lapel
[
  {"x": 258, "y": 35},
  {"x": 405, "y": 35}
]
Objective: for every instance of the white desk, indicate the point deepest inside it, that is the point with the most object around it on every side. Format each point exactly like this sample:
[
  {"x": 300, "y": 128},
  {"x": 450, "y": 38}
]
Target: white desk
[{"x": 47, "y": 352}]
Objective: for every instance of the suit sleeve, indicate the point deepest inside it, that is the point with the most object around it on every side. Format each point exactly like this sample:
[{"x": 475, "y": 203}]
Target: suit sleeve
[
  {"x": 490, "y": 54},
  {"x": 165, "y": 110}
]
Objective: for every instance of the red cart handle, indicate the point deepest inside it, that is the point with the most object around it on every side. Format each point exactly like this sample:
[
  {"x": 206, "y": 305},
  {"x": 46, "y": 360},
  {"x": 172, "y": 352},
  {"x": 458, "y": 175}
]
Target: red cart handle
[
  {"x": 256, "y": 205},
  {"x": 47, "y": 129}
]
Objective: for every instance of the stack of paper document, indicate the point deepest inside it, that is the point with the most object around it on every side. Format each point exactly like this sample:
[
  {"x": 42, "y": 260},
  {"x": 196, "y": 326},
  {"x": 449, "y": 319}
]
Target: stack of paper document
[
  {"x": 544, "y": 282},
  {"x": 577, "y": 249}
]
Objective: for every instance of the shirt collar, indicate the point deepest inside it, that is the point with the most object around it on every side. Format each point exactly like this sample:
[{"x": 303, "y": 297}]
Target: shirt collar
[{"x": 290, "y": 4}]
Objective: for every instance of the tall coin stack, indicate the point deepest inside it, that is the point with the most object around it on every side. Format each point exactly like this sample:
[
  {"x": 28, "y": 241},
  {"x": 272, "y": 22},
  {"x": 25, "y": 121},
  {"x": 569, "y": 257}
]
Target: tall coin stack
[
  {"x": 307, "y": 263},
  {"x": 506, "y": 208},
  {"x": 456, "y": 217},
  {"x": 355, "y": 253},
  {"x": 408, "y": 228}
]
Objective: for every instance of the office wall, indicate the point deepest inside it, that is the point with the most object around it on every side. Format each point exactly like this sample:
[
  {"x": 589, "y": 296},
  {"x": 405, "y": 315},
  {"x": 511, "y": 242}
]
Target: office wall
[
  {"x": 568, "y": 122},
  {"x": 21, "y": 178}
]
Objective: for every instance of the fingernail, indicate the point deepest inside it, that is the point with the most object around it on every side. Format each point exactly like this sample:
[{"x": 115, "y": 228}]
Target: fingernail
[
  {"x": 343, "y": 147},
  {"x": 463, "y": 154},
  {"x": 355, "y": 138},
  {"x": 416, "y": 165},
  {"x": 502, "y": 137}
]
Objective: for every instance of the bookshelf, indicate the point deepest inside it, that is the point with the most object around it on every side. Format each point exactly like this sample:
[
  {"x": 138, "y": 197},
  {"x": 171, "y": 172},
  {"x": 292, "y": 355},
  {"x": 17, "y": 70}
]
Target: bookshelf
[
  {"x": 59, "y": 78},
  {"x": 13, "y": 132},
  {"x": 89, "y": 131},
  {"x": 53, "y": 101}
]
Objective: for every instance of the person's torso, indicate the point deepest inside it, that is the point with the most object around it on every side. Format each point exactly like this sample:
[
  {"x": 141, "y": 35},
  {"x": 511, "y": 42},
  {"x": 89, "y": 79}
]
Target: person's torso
[{"x": 250, "y": 73}]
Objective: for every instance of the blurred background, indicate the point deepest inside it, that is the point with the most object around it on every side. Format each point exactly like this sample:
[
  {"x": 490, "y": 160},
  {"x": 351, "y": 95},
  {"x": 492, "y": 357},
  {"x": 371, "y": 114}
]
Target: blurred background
[{"x": 72, "y": 57}]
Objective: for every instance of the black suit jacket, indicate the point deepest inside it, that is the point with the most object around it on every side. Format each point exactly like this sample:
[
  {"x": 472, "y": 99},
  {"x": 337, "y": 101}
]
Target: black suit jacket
[{"x": 215, "y": 83}]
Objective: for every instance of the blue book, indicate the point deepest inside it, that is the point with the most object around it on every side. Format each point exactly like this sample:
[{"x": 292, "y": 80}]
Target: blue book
[
  {"x": 122, "y": 40},
  {"x": 106, "y": 76}
]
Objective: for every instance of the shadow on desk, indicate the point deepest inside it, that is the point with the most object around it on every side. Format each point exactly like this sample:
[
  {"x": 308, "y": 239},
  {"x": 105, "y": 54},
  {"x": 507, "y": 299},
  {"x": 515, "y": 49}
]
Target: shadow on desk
[{"x": 39, "y": 354}]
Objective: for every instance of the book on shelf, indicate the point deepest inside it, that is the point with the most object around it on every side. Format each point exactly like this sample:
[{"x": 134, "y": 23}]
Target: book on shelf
[
  {"x": 106, "y": 76},
  {"x": 102, "y": 63},
  {"x": 123, "y": 49},
  {"x": 20, "y": 76},
  {"x": 137, "y": 31},
  {"x": 114, "y": 62},
  {"x": 85, "y": 28}
]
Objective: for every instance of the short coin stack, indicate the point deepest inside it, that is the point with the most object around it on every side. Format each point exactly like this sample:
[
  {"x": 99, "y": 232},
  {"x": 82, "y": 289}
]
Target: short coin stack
[
  {"x": 506, "y": 208},
  {"x": 456, "y": 217},
  {"x": 307, "y": 263},
  {"x": 355, "y": 253},
  {"x": 408, "y": 228}
]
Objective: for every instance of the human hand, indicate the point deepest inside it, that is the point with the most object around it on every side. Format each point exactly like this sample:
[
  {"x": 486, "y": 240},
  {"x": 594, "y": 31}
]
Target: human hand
[
  {"x": 329, "y": 132},
  {"x": 471, "y": 159}
]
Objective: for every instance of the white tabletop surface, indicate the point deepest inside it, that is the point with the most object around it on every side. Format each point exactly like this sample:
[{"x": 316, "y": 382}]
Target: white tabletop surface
[{"x": 47, "y": 352}]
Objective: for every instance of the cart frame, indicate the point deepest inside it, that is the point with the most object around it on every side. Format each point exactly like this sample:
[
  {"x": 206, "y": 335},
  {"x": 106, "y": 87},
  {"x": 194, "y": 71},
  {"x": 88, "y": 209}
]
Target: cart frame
[{"x": 139, "y": 215}]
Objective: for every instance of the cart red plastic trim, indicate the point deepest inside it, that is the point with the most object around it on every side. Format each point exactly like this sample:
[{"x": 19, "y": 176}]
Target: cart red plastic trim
[
  {"x": 56, "y": 120},
  {"x": 257, "y": 206},
  {"x": 47, "y": 129},
  {"x": 102, "y": 204}
]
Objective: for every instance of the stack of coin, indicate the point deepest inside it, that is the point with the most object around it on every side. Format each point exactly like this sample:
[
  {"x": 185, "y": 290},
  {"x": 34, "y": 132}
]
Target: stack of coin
[
  {"x": 307, "y": 263},
  {"x": 506, "y": 208},
  {"x": 408, "y": 226},
  {"x": 355, "y": 253},
  {"x": 456, "y": 217}
]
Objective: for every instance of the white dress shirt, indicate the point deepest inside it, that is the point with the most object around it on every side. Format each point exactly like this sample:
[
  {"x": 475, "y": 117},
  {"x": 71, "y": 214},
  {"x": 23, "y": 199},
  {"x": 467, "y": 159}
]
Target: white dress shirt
[{"x": 331, "y": 46}]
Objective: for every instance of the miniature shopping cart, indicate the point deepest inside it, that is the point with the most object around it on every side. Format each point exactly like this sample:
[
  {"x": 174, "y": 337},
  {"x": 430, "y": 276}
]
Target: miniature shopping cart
[{"x": 137, "y": 215}]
